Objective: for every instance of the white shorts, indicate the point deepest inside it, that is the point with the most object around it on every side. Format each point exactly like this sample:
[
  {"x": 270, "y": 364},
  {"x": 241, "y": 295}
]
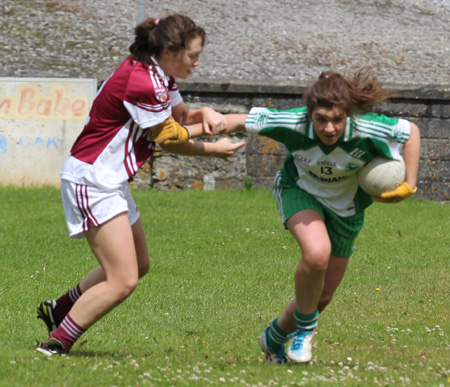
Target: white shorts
[{"x": 84, "y": 205}]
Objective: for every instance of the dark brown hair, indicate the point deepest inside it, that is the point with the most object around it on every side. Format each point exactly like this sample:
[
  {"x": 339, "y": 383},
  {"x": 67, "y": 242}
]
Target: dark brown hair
[
  {"x": 354, "y": 95},
  {"x": 173, "y": 32}
]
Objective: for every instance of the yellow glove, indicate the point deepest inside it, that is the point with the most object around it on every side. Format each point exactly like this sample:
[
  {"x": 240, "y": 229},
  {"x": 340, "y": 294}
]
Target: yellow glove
[
  {"x": 168, "y": 132},
  {"x": 403, "y": 191}
]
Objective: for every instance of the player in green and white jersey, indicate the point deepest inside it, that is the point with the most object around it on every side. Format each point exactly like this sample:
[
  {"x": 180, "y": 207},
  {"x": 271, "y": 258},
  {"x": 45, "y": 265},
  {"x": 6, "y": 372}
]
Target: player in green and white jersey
[{"x": 317, "y": 191}]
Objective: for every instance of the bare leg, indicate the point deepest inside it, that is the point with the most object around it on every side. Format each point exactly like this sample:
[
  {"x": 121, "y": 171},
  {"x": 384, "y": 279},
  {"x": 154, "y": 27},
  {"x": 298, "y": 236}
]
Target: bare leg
[
  {"x": 310, "y": 232},
  {"x": 113, "y": 245},
  {"x": 333, "y": 277},
  {"x": 98, "y": 274}
]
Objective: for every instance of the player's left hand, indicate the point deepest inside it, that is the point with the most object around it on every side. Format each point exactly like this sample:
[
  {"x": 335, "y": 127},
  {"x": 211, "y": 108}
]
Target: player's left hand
[{"x": 403, "y": 191}]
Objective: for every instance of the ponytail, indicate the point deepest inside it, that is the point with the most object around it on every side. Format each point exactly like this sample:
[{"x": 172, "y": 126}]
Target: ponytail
[{"x": 140, "y": 49}]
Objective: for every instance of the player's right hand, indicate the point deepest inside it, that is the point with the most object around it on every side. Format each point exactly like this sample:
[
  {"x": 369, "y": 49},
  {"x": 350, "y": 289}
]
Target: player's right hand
[{"x": 213, "y": 122}]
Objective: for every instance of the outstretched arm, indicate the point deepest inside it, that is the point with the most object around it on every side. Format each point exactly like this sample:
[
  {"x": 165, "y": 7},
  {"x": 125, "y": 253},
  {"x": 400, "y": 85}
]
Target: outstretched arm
[
  {"x": 208, "y": 119},
  {"x": 235, "y": 123},
  {"x": 222, "y": 149},
  {"x": 171, "y": 132}
]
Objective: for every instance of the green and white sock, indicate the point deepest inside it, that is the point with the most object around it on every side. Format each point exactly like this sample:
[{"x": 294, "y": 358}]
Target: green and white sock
[
  {"x": 306, "y": 322},
  {"x": 275, "y": 336}
]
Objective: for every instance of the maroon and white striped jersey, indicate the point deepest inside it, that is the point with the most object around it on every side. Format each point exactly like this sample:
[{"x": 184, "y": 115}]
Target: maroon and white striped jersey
[{"x": 111, "y": 148}]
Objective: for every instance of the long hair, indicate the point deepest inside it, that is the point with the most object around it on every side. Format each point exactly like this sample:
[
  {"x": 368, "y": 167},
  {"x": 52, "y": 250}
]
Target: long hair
[
  {"x": 354, "y": 95},
  {"x": 173, "y": 32}
]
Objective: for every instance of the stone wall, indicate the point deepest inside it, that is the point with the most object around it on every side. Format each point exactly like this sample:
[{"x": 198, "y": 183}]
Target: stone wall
[{"x": 257, "y": 162}]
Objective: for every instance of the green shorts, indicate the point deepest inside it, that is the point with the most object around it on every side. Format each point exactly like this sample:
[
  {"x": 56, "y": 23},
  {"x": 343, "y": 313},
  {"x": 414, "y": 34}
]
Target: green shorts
[{"x": 342, "y": 231}]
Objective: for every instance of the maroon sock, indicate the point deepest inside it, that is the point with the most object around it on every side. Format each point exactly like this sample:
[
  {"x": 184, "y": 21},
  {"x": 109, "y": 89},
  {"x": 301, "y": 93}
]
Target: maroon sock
[
  {"x": 68, "y": 332},
  {"x": 65, "y": 303}
]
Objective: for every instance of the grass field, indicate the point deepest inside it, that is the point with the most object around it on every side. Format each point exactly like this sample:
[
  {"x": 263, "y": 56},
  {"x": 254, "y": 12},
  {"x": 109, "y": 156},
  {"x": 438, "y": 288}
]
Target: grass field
[{"x": 222, "y": 267}]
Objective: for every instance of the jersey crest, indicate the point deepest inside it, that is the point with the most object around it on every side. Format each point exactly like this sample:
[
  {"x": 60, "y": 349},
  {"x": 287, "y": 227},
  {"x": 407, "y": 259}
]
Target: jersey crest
[
  {"x": 161, "y": 95},
  {"x": 351, "y": 167},
  {"x": 261, "y": 118}
]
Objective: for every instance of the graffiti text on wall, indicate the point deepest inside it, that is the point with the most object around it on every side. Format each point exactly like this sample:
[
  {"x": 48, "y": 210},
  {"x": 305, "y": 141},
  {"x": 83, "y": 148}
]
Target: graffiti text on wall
[{"x": 28, "y": 102}]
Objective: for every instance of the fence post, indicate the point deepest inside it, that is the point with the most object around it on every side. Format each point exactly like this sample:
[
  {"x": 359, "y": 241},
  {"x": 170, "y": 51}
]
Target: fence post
[{"x": 141, "y": 11}]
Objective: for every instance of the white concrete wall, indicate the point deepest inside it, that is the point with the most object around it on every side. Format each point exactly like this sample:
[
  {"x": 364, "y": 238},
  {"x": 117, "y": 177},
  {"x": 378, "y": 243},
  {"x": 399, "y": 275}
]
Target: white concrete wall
[{"x": 40, "y": 119}]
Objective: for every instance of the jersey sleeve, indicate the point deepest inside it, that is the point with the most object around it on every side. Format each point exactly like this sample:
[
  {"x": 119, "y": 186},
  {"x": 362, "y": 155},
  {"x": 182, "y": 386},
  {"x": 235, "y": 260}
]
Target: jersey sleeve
[
  {"x": 388, "y": 135},
  {"x": 147, "y": 99},
  {"x": 175, "y": 96},
  {"x": 284, "y": 126}
]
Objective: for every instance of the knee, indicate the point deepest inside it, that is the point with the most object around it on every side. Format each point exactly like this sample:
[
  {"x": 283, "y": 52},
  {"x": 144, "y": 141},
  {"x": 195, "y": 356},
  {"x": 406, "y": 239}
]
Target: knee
[
  {"x": 316, "y": 259},
  {"x": 124, "y": 288},
  {"x": 126, "y": 291}
]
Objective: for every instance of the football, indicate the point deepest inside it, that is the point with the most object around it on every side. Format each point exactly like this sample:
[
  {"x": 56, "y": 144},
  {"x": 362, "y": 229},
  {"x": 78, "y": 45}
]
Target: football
[{"x": 381, "y": 175}]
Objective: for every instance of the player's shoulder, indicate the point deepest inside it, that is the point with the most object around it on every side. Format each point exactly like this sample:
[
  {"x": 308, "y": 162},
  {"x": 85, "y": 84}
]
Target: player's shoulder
[
  {"x": 129, "y": 71},
  {"x": 378, "y": 127},
  {"x": 370, "y": 119},
  {"x": 140, "y": 81},
  {"x": 130, "y": 67},
  {"x": 373, "y": 125}
]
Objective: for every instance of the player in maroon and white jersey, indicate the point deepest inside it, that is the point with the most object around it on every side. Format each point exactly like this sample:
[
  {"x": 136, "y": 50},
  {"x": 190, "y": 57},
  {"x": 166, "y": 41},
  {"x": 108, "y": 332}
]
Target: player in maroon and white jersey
[{"x": 138, "y": 105}]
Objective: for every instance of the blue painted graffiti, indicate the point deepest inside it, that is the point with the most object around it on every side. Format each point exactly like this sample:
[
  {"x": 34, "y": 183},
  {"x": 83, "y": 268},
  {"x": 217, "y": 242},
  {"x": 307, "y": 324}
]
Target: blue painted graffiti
[
  {"x": 27, "y": 142},
  {"x": 3, "y": 144},
  {"x": 32, "y": 143}
]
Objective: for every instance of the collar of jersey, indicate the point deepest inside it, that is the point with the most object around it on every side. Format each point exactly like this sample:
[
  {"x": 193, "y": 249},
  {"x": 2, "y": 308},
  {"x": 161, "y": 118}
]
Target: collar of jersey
[{"x": 160, "y": 71}]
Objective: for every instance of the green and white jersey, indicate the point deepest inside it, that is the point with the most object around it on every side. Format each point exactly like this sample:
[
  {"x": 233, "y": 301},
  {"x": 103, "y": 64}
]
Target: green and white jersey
[{"x": 329, "y": 174}]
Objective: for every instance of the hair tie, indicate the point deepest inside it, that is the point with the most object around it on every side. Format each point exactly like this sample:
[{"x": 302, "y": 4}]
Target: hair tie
[{"x": 157, "y": 21}]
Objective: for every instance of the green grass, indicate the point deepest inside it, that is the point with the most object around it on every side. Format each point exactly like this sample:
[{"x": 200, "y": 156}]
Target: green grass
[{"x": 222, "y": 267}]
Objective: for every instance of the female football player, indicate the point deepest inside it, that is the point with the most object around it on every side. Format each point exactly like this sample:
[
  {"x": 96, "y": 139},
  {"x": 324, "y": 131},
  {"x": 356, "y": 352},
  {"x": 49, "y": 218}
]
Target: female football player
[
  {"x": 317, "y": 191},
  {"x": 137, "y": 106}
]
